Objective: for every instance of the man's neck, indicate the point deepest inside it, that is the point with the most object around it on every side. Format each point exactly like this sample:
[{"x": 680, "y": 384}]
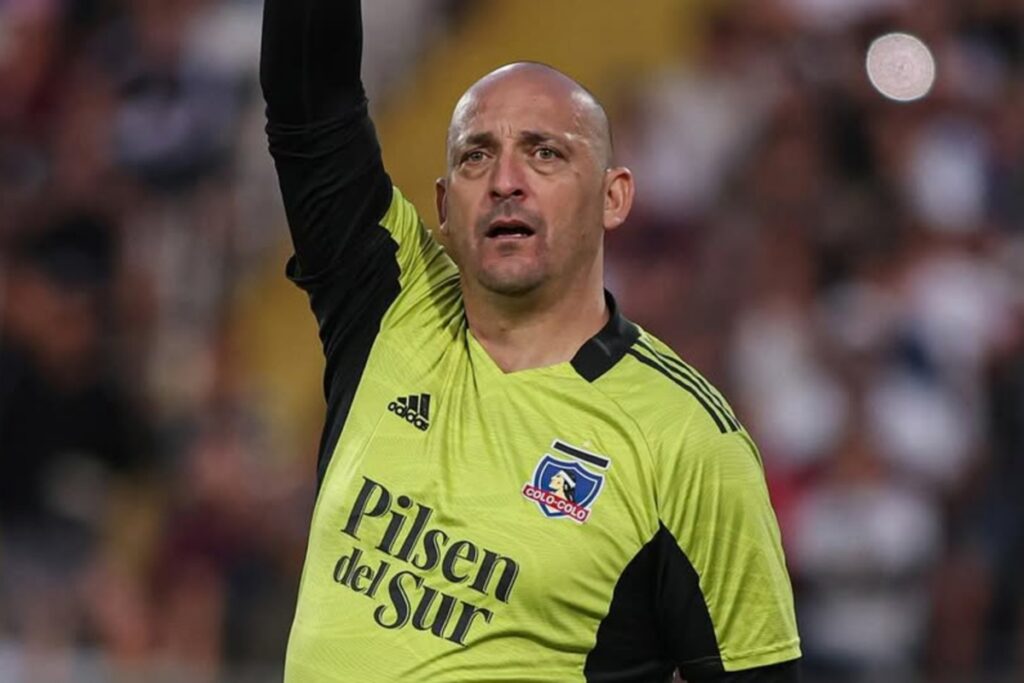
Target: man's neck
[{"x": 536, "y": 331}]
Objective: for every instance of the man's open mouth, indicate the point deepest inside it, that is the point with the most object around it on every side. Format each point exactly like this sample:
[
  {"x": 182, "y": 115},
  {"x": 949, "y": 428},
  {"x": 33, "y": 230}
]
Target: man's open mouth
[{"x": 509, "y": 229}]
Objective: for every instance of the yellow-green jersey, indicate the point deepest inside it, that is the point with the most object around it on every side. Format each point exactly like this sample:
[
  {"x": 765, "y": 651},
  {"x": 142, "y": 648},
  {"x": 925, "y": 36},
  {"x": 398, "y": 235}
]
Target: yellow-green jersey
[{"x": 602, "y": 519}]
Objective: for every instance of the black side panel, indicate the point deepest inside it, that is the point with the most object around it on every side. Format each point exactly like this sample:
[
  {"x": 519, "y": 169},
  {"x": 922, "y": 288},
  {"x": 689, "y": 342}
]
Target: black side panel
[
  {"x": 629, "y": 646},
  {"x": 657, "y": 619},
  {"x": 349, "y": 314},
  {"x": 684, "y": 615}
]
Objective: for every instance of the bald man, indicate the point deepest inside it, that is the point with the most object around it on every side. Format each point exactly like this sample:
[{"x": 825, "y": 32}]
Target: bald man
[{"x": 471, "y": 376}]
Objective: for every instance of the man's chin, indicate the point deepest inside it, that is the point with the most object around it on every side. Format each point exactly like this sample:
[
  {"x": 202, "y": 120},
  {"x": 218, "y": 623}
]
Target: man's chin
[{"x": 511, "y": 284}]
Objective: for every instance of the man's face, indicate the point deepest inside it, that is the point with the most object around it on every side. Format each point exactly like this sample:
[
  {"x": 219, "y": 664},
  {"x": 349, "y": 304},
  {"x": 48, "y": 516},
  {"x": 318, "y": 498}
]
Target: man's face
[{"x": 523, "y": 202}]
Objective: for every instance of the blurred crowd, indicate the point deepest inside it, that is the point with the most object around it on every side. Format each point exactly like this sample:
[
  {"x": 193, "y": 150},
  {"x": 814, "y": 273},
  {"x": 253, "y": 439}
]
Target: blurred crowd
[
  {"x": 152, "y": 526},
  {"x": 850, "y": 270},
  {"x": 146, "y": 530}
]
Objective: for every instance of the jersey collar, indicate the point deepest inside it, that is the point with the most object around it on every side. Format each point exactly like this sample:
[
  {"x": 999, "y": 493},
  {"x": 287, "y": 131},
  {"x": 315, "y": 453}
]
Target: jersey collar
[{"x": 606, "y": 348}]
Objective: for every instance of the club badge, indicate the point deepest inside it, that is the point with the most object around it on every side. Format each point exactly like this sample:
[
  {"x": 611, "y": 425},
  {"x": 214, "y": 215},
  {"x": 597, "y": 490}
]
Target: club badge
[{"x": 565, "y": 487}]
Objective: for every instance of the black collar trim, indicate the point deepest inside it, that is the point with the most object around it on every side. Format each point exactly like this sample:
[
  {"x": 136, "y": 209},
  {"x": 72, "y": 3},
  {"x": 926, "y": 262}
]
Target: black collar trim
[{"x": 606, "y": 348}]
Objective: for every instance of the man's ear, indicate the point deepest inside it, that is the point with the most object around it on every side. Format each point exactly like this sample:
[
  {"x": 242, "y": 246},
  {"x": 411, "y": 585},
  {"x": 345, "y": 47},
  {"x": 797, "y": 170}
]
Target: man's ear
[
  {"x": 441, "y": 197},
  {"x": 618, "y": 196}
]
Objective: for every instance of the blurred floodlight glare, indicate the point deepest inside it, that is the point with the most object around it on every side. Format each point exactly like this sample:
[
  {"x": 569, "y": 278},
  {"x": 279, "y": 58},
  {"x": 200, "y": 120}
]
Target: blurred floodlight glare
[{"x": 901, "y": 67}]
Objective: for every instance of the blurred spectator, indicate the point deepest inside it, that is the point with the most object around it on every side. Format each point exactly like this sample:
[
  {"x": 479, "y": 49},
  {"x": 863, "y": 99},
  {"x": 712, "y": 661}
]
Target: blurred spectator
[
  {"x": 68, "y": 427},
  {"x": 864, "y": 544},
  {"x": 695, "y": 121},
  {"x": 61, "y": 408}
]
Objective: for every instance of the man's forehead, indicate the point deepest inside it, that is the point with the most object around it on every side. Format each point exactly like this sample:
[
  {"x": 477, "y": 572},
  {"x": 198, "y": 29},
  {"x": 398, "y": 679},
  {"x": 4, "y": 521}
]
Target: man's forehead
[
  {"x": 525, "y": 76},
  {"x": 529, "y": 96},
  {"x": 533, "y": 101}
]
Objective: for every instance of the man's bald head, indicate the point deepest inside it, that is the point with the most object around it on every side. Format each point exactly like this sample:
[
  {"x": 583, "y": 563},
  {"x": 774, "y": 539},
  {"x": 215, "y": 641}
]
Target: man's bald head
[
  {"x": 530, "y": 191},
  {"x": 591, "y": 118}
]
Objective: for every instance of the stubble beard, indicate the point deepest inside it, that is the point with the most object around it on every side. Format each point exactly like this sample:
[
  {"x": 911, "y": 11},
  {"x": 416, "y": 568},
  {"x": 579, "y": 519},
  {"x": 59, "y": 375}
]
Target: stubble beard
[{"x": 512, "y": 281}]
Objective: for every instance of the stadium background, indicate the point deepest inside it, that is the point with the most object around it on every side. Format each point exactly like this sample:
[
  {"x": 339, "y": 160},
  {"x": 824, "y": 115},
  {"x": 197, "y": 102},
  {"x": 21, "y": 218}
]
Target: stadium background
[{"x": 850, "y": 270}]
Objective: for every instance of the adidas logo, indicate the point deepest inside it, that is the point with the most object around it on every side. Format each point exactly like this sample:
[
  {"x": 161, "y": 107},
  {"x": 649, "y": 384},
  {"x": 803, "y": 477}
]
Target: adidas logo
[{"x": 415, "y": 409}]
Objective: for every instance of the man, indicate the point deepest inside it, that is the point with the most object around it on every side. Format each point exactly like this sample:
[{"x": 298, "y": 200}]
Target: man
[{"x": 463, "y": 376}]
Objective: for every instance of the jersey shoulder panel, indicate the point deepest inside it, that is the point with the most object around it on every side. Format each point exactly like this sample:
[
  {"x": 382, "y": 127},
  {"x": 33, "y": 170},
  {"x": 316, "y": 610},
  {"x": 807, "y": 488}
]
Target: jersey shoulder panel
[
  {"x": 660, "y": 390},
  {"x": 429, "y": 291}
]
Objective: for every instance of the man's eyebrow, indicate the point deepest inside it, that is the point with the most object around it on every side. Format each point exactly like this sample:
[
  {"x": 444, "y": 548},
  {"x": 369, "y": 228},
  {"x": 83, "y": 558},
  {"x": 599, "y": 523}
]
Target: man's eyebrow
[
  {"x": 528, "y": 137},
  {"x": 538, "y": 137},
  {"x": 483, "y": 139}
]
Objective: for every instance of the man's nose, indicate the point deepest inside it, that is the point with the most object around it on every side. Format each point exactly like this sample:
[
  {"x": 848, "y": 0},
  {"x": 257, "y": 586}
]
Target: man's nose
[{"x": 508, "y": 178}]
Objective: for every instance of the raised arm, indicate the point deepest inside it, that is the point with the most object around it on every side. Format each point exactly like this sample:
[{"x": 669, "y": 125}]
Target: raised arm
[
  {"x": 334, "y": 187},
  {"x": 328, "y": 160}
]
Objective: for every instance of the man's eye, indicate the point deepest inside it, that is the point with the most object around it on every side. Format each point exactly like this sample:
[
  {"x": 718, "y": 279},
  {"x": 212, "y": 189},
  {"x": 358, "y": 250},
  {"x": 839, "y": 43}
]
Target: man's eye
[
  {"x": 474, "y": 157},
  {"x": 546, "y": 153}
]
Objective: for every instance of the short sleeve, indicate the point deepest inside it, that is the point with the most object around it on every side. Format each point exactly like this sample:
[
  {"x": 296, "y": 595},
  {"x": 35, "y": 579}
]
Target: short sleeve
[{"x": 724, "y": 595}]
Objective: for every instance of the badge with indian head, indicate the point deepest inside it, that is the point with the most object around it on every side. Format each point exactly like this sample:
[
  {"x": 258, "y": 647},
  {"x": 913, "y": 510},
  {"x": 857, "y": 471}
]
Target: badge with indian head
[{"x": 564, "y": 487}]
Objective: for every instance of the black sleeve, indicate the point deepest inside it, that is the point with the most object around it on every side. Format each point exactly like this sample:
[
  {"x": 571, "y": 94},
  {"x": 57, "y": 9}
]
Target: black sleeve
[
  {"x": 333, "y": 184},
  {"x": 786, "y": 672},
  {"x": 322, "y": 140},
  {"x": 311, "y": 58}
]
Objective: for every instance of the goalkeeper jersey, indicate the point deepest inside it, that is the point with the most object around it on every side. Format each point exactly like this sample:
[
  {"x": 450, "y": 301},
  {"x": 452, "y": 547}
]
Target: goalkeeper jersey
[{"x": 602, "y": 519}]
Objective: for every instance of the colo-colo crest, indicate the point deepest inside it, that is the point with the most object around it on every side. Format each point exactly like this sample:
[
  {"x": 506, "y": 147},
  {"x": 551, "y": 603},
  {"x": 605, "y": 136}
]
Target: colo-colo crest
[{"x": 564, "y": 487}]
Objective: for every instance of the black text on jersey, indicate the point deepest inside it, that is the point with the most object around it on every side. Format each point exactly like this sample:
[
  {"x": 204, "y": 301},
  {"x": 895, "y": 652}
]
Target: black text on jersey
[{"x": 415, "y": 409}]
